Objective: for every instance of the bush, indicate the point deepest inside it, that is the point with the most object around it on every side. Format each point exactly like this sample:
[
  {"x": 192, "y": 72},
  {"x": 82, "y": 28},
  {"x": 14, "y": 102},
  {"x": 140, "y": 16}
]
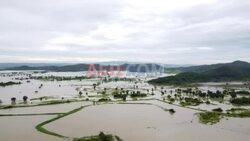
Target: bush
[
  {"x": 217, "y": 110},
  {"x": 243, "y": 92},
  {"x": 209, "y": 117},
  {"x": 2, "y": 84},
  {"x": 191, "y": 102},
  {"x": 120, "y": 96},
  {"x": 138, "y": 95},
  {"x": 104, "y": 100},
  {"x": 241, "y": 101},
  {"x": 172, "y": 111}
]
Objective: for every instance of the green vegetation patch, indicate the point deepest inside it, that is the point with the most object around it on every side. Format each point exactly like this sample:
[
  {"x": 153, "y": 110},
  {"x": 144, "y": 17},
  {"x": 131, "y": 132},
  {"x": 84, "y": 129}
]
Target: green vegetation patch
[
  {"x": 104, "y": 100},
  {"x": 191, "y": 102},
  {"x": 59, "y": 78},
  {"x": 100, "y": 137},
  {"x": 179, "y": 79},
  {"x": 209, "y": 117},
  {"x": 43, "y": 98},
  {"x": 134, "y": 95},
  {"x": 217, "y": 110},
  {"x": 4, "y": 84},
  {"x": 238, "y": 112},
  {"x": 243, "y": 92},
  {"x": 235, "y": 71},
  {"x": 241, "y": 101},
  {"x": 242, "y": 114},
  {"x": 52, "y": 102}
]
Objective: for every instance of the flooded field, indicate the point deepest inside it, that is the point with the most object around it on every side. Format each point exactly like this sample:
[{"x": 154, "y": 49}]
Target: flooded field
[
  {"x": 45, "y": 109},
  {"x": 146, "y": 122},
  {"x": 22, "y": 128},
  {"x": 144, "y": 115},
  {"x": 30, "y": 87}
]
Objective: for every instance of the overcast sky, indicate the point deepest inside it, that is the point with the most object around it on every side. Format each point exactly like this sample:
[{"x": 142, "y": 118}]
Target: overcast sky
[{"x": 162, "y": 31}]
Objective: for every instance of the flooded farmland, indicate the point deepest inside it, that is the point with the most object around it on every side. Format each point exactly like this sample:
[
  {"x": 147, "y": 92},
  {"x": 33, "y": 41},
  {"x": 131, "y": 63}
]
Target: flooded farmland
[
  {"x": 147, "y": 113},
  {"x": 124, "y": 70},
  {"x": 22, "y": 128}
]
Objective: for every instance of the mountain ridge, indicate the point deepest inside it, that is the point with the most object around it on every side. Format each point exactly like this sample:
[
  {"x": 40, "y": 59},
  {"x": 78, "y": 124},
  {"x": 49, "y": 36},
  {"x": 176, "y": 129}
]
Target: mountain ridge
[
  {"x": 83, "y": 67},
  {"x": 235, "y": 71}
]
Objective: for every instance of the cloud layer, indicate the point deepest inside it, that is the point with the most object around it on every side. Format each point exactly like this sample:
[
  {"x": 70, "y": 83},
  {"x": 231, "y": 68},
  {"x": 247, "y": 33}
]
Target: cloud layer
[{"x": 163, "y": 31}]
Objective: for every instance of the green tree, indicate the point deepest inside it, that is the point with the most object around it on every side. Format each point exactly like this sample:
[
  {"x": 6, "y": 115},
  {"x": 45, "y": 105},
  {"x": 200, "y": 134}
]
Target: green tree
[
  {"x": 94, "y": 85},
  {"x": 25, "y": 98},
  {"x": 13, "y": 100},
  {"x": 80, "y": 93}
]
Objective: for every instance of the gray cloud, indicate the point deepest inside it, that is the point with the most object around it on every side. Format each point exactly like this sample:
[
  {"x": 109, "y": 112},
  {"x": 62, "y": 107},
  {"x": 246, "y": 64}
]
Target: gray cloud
[{"x": 165, "y": 31}]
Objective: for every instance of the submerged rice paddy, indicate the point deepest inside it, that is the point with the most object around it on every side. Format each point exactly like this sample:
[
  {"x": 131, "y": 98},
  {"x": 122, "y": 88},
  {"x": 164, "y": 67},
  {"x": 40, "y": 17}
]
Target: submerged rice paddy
[{"x": 69, "y": 106}]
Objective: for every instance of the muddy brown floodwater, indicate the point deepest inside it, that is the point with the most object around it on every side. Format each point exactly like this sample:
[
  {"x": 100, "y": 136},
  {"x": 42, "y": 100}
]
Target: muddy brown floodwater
[
  {"x": 137, "y": 122},
  {"x": 22, "y": 128}
]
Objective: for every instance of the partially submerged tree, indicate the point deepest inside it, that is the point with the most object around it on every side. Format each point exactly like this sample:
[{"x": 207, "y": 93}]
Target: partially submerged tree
[
  {"x": 94, "y": 85},
  {"x": 103, "y": 137},
  {"x": 233, "y": 95},
  {"x": 25, "y": 98},
  {"x": 80, "y": 93},
  {"x": 218, "y": 110},
  {"x": 172, "y": 111},
  {"x": 124, "y": 98},
  {"x": 40, "y": 86},
  {"x": 162, "y": 93},
  {"x": 13, "y": 100}
]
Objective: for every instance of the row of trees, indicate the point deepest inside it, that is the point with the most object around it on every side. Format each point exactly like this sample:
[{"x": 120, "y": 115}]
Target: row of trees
[
  {"x": 241, "y": 101},
  {"x": 25, "y": 99},
  {"x": 58, "y": 78},
  {"x": 4, "y": 84}
]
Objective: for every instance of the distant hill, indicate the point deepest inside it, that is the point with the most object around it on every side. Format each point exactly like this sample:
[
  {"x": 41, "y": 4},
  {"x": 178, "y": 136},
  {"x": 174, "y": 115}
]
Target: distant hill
[
  {"x": 204, "y": 68},
  {"x": 83, "y": 67},
  {"x": 11, "y": 65},
  {"x": 235, "y": 71}
]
